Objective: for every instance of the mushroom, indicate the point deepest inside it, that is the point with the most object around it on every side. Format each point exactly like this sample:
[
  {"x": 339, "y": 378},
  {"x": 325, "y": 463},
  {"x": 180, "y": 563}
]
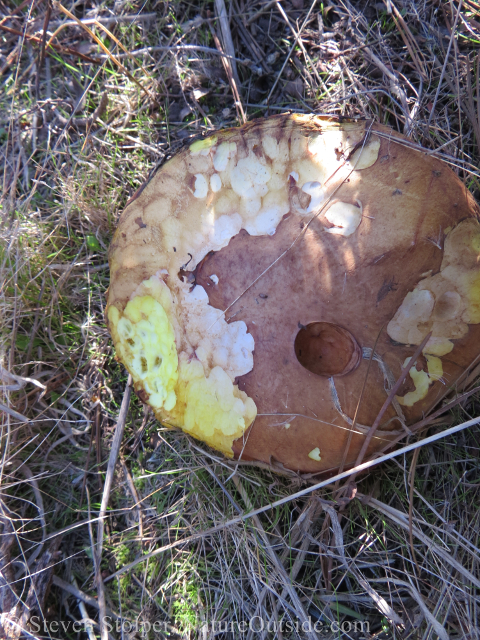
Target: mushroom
[{"x": 252, "y": 275}]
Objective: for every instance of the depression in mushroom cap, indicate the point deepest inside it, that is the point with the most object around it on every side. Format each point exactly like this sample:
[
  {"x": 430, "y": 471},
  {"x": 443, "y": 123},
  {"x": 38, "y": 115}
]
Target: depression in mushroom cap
[{"x": 244, "y": 239}]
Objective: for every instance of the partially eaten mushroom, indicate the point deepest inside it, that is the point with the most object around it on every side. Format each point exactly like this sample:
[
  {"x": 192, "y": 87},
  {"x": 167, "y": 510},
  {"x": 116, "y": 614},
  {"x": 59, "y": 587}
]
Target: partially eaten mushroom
[{"x": 253, "y": 273}]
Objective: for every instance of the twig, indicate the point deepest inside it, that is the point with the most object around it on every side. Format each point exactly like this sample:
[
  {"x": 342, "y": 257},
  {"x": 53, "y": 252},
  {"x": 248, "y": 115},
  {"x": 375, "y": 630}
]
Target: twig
[
  {"x": 83, "y": 123},
  {"x": 260, "y": 11},
  {"x": 410, "y": 506},
  {"x": 409, "y": 40},
  {"x": 227, "y": 36},
  {"x": 21, "y": 6},
  {"x": 137, "y": 503},
  {"x": 295, "y": 41},
  {"x": 80, "y": 595},
  {"x": 228, "y": 70},
  {"x": 139, "y": 17},
  {"x": 86, "y": 617},
  {"x": 388, "y": 401},
  {"x": 41, "y": 57},
  {"x": 180, "y": 47},
  {"x": 112, "y": 461},
  {"x": 57, "y": 47}
]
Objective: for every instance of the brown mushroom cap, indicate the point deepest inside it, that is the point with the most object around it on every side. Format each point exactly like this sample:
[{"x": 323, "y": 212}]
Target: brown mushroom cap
[{"x": 253, "y": 274}]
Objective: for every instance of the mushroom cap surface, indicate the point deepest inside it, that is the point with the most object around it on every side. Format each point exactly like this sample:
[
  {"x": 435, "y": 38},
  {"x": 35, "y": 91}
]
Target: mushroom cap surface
[{"x": 255, "y": 271}]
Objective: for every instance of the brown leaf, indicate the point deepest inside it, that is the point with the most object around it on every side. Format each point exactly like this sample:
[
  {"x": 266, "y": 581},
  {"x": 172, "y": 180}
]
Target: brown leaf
[{"x": 295, "y": 88}]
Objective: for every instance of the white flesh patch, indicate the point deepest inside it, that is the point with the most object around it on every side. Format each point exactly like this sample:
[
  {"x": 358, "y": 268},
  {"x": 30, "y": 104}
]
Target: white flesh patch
[
  {"x": 225, "y": 151},
  {"x": 315, "y": 454},
  {"x": 216, "y": 342},
  {"x": 201, "y": 186},
  {"x": 346, "y": 218},
  {"x": 365, "y": 156},
  {"x": 215, "y": 182},
  {"x": 270, "y": 146},
  {"x": 220, "y": 231},
  {"x": 249, "y": 174},
  {"x": 315, "y": 191},
  {"x": 416, "y": 309}
]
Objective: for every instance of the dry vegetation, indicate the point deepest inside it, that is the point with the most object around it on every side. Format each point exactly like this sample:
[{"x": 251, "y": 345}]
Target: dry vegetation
[{"x": 94, "y": 96}]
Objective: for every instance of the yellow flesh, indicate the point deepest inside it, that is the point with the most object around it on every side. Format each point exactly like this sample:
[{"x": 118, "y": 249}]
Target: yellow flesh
[
  {"x": 445, "y": 304},
  {"x": 146, "y": 343},
  {"x": 211, "y": 408},
  {"x": 422, "y": 380}
]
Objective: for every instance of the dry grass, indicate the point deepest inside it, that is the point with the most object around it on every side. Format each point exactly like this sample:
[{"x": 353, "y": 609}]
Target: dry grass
[{"x": 80, "y": 130}]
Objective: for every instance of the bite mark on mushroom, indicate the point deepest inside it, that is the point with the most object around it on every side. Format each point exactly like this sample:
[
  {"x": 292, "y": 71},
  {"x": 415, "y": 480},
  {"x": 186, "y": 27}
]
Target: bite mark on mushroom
[
  {"x": 366, "y": 155},
  {"x": 345, "y": 217}
]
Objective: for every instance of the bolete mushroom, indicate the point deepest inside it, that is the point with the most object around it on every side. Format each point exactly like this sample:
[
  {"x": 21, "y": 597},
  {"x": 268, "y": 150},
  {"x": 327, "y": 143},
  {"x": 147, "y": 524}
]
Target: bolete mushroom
[{"x": 252, "y": 275}]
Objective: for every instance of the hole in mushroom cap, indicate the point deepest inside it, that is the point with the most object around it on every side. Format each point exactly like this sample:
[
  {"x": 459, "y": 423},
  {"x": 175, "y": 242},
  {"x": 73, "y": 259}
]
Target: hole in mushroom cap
[{"x": 327, "y": 349}]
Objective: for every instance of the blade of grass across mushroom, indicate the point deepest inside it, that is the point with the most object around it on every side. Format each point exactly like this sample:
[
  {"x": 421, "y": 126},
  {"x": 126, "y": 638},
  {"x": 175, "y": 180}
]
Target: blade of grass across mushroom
[
  {"x": 315, "y": 214},
  {"x": 354, "y": 419},
  {"x": 418, "y": 426},
  {"x": 388, "y": 401}
]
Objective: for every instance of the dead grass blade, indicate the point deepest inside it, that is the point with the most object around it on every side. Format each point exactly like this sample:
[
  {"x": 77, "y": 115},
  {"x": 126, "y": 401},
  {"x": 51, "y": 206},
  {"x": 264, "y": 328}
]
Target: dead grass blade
[
  {"x": 303, "y": 492},
  {"x": 388, "y": 401},
  {"x": 228, "y": 66},
  {"x": 402, "y": 520},
  {"x": 112, "y": 461},
  {"x": 286, "y": 580},
  {"x": 59, "y": 6}
]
